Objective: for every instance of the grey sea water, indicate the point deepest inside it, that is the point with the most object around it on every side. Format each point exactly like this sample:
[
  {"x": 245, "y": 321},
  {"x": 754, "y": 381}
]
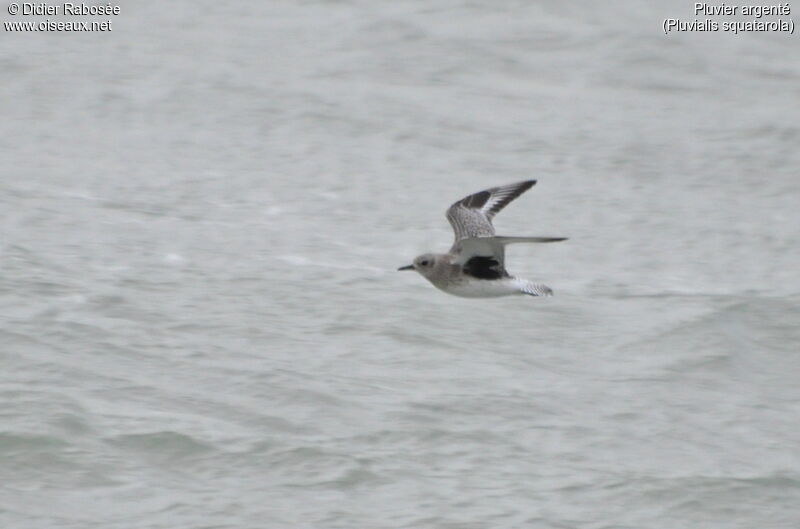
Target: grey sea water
[{"x": 202, "y": 212}]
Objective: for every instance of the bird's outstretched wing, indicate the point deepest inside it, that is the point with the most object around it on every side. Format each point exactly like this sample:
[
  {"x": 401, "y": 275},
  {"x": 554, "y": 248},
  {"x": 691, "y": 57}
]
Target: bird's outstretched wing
[
  {"x": 493, "y": 247},
  {"x": 472, "y": 216}
]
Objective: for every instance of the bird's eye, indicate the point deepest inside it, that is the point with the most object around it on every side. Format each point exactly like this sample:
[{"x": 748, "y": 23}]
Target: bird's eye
[{"x": 424, "y": 262}]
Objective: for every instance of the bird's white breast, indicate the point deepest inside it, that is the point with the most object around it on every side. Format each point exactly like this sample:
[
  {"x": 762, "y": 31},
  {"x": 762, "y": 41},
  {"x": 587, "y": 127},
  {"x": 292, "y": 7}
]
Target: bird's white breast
[{"x": 482, "y": 288}]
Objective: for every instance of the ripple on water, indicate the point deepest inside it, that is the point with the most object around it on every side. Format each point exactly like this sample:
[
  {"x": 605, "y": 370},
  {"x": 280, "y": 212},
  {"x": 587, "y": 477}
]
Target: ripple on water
[{"x": 164, "y": 446}]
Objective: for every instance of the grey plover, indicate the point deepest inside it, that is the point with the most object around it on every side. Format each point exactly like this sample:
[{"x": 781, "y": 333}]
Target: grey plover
[{"x": 475, "y": 265}]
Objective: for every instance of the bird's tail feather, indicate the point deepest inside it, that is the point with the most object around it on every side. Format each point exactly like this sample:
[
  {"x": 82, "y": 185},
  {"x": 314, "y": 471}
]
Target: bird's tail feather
[
  {"x": 512, "y": 240},
  {"x": 533, "y": 289}
]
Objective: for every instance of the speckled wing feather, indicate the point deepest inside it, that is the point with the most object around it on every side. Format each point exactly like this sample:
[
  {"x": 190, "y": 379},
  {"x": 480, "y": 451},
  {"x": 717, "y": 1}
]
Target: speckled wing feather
[{"x": 472, "y": 215}]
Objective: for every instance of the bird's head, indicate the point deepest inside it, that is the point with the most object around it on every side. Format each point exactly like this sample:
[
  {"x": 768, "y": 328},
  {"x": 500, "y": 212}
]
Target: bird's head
[{"x": 424, "y": 264}]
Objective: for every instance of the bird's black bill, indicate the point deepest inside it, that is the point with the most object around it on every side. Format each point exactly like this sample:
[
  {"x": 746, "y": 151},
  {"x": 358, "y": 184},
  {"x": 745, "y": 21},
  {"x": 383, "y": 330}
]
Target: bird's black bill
[{"x": 409, "y": 267}]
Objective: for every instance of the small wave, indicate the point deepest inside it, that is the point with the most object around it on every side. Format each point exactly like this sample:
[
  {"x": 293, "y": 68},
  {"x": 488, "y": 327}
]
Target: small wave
[{"x": 162, "y": 443}]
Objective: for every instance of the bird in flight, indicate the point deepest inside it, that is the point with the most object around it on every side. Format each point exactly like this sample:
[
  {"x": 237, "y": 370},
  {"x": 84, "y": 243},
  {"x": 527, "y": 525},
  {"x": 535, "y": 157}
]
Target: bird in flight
[{"x": 475, "y": 265}]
